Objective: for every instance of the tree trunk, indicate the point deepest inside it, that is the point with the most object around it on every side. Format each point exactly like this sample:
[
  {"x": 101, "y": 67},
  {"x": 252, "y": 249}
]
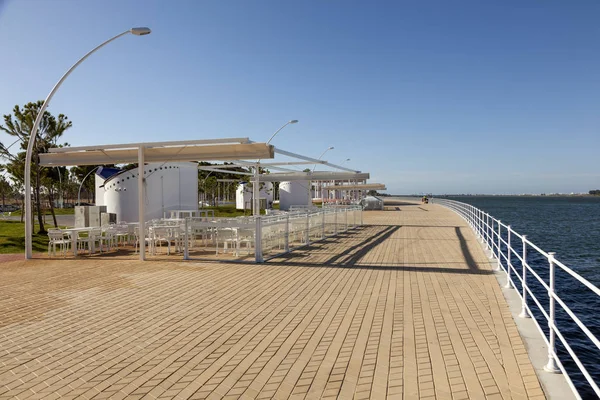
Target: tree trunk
[
  {"x": 51, "y": 200},
  {"x": 38, "y": 200}
]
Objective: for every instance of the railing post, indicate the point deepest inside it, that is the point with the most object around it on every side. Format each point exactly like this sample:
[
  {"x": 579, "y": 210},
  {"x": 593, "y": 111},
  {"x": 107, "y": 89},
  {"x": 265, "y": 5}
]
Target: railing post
[
  {"x": 258, "y": 240},
  {"x": 322, "y": 224},
  {"x": 498, "y": 252},
  {"x": 335, "y": 213},
  {"x": 487, "y": 231},
  {"x": 551, "y": 366},
  {"x": 346, "y": 219},
  {"x": 509, "y": 283},
  {"x": 286, "y": 240},
  {"x": 186, "y": 252},
  {"x": 524, "y": 313},
  {"x": 480, "y": 223},
  {"x": 307, "y": 236}
]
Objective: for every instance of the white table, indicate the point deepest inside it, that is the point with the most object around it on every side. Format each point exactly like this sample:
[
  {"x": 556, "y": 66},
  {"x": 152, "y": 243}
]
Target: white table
[{"x": 73, "y": 233}]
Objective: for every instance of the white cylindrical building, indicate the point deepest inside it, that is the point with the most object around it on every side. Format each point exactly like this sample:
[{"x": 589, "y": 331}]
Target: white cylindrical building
[
  {"x": 294, "y": 193},
  {"x": 169, "y": 186},
  {"x": 243, "y": 195}
]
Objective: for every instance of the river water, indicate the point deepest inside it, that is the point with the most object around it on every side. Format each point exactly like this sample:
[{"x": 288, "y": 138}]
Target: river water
[{"x": 569, "y": 226}]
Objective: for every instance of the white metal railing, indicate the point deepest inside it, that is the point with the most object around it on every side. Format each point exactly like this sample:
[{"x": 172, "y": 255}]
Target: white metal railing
[
  {"x": 509, "y": 248},
  {"x": 271, "y": 235}
]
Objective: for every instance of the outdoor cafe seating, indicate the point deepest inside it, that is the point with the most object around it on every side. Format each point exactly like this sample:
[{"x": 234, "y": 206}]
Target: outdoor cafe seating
[{"x": 206, "y": 236}]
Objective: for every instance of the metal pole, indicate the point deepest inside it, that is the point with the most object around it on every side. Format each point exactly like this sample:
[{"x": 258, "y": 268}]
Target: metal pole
[
  {"x": 186, "y": 251},
  {"x": 81, "y": 185},
  {"x": 481, "y": 226},
  {"x": 30, "y": 144},
  {"x": 524, "y": 313},
  {"x": 60, "y": 193},
  {"x": 498, "y": 266},
  {"x": 487, "y": 231},
  {"x": 509, "y": 283},
  {"x": 335, "y": 220},
  {"x": 258, "y": 240},
  {"x": 141, "y": 203},
  {"x": 551, "y": 366},
  {"x": 256, "y": 191},
  {"x": 287, "y": 234},
  {"x": 307, "y": 236}
]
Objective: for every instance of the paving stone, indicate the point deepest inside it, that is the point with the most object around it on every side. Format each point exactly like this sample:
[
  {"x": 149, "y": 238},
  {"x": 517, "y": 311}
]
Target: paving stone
[{"x": 403, "y": 307}]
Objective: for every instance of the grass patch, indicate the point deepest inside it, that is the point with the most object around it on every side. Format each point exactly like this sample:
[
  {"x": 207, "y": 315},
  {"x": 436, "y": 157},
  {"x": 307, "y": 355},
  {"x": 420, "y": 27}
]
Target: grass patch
[
  {"x": 229, "y": 211},
  {"x": 12, "y": 238},
  {"x": 57, "y": 211}
]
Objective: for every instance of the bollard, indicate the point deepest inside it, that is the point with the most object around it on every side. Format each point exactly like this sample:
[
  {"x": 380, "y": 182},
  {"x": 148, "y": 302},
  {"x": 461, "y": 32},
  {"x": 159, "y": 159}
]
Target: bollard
[
  {"x": 551, "y": 366},
  {"x": 509, "y": 283},
  {"x": 524, "y": 313}
]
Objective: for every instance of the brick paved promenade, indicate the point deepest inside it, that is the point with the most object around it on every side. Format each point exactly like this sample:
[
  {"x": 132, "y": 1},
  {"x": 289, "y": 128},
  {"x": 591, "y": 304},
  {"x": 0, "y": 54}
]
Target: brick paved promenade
[{"x": 404, "y": 307}]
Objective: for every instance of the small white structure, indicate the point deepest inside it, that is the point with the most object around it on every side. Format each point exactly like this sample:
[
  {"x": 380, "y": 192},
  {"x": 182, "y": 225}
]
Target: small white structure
[
  {"x": 243, "y": 195},
  {"x": 372, "y": 203},
  {"x": 294, "y": 193},
  {"x": 168, "y": 186}
]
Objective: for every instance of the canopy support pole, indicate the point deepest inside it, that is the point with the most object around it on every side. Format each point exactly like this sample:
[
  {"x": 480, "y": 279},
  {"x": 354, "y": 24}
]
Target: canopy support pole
[{"x": 141, "y": 203}]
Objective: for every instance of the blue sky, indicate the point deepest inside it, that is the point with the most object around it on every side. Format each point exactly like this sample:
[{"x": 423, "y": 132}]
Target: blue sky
[{"x": 435, "y": 96}]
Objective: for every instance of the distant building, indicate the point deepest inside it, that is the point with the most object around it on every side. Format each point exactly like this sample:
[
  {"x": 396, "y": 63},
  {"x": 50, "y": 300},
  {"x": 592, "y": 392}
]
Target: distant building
[{"x": 244, "y": 192}]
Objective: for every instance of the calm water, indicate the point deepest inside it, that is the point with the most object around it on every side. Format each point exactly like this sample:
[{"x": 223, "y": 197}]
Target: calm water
[{"x": 569, "y": 226}]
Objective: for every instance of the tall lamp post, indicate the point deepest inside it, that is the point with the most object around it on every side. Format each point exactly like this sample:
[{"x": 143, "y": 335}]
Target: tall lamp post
[
  {"x": 32, "y": 136},
  {"x": 255, "y": 187},
  {"x": 322, "y": 190},
  {"x": 320, "y": 183}
]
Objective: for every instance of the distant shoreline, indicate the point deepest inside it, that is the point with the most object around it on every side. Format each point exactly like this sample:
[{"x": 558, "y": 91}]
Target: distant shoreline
[{"x": 496, "y": 195}]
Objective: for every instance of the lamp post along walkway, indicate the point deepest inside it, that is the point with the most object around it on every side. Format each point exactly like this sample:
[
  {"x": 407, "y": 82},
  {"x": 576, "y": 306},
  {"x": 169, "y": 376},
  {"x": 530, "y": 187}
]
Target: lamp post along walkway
[
  {"x": 32, "y": 136},
  {"x": 256, "y": 183}
]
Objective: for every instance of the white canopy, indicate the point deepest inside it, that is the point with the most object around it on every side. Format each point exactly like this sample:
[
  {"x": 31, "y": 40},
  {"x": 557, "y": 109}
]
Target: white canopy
[
  {"x": 199, "y": 150},
  {"x": 364, "y": 186}
]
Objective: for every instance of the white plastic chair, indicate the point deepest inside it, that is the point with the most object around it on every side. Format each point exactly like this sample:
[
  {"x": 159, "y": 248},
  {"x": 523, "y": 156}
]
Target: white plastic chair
[
  {"x": 225, "y": 236},
  {"x": 57, "y": 237},
  {"x": 109, "y": 238}
]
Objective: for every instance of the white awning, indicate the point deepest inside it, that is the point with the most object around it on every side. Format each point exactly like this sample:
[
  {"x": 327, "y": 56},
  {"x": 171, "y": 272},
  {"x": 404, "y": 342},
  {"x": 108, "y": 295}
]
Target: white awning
[
  {"x": 365, "y": 186},
  {"x": 157, "y": 152},
  {"x": 313, "y": 176}
]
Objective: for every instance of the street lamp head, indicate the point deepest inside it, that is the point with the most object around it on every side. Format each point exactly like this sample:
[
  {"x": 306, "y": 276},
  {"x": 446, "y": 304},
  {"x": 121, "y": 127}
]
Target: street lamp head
[
  {"x": 140, "y": 31},
  {"x": 331, "y": 148},
  {"x": 294, "y": 121}
]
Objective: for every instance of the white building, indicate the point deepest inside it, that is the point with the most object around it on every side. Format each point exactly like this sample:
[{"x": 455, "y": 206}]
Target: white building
[
  {"x": 169, "y": 186},
  {"x": 243, "y": 195},
  {"x": 294, "y": 193}
]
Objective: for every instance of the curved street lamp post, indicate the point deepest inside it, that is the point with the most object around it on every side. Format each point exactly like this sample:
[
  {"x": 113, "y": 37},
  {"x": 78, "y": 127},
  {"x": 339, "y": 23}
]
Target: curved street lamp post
[
  {"x": 255, "y": 188},
  {"x": 32, "y": 136},
  {"x": 322, "y": 188},
  {"x": 320, "y": 183}
]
